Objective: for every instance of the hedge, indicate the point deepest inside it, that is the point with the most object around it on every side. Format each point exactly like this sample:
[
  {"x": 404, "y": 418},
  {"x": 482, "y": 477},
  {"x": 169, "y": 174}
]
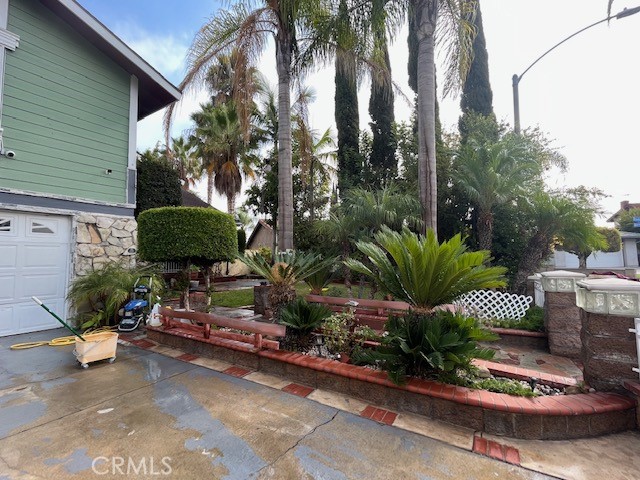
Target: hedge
[
  {"x": 242, "y": 240},
  {"x": 200, "y": 235},
  {"x": 158, "y": 185}
]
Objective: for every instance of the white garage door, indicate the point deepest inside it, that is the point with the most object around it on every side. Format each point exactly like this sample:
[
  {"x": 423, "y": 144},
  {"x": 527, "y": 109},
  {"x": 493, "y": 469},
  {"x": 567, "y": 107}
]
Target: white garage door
[{"x": 34, "y": 261}]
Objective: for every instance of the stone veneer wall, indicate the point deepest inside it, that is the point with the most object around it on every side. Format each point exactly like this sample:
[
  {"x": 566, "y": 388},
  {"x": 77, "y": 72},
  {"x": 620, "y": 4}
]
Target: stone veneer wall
[
  {"x": 563, "y": 324},
  {"x": 101, "y": 239},
  {"x": 608, "y": 350}
]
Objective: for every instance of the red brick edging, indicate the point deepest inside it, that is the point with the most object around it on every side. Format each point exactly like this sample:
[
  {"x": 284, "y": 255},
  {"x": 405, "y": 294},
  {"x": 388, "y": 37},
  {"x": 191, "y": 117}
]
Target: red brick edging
[{"x": 552, "y": 417}]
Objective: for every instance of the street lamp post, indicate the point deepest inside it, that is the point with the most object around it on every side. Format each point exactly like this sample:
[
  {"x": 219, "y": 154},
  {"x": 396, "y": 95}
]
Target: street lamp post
[{"x": 515, "y": 80}]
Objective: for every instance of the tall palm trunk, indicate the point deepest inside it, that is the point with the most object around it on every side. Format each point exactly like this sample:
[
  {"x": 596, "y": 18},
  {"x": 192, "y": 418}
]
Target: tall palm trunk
[
  {"x": 285, "y": 169},
  {"x": 231, "y": 204},
  {"x": 536, "y": 250},
  {"x": 312, "y": 213},
  {"x": 426, "y": 13},
  {"x": 210, "y": 178},
  {"x": 485, "y": 230}
]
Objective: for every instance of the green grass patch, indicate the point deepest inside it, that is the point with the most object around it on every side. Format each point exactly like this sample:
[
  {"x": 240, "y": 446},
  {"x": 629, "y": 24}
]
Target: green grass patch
[{"x": 233, "y": 298}]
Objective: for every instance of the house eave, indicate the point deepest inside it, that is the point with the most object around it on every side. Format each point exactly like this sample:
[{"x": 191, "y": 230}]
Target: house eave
[{"x": 155, "y": 92}]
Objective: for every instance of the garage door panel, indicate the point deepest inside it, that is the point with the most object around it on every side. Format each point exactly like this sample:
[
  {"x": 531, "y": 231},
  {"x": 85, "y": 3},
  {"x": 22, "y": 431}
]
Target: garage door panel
[
  {"x": 42, "y": 286},
  {"x": 8, "y": 255},
  {"x": 7, "y": 325},
  {"x": 32, "y": 318},
  {"x": 34, "y": 261},
  {"x": 7, "y": 288},
  {"x": 40, "y": 256}
]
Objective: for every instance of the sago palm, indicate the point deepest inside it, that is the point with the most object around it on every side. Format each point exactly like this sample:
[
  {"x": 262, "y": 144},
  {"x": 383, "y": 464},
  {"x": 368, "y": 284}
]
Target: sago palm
[
  {"x": 287, "y": 269},
  {"x": 423, "y": 272}
]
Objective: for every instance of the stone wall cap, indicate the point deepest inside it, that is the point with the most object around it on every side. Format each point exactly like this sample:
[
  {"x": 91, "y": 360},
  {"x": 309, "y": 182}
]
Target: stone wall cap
[
  {"x": 563, "y": 274},
  {"x": 610, "y": 284}
]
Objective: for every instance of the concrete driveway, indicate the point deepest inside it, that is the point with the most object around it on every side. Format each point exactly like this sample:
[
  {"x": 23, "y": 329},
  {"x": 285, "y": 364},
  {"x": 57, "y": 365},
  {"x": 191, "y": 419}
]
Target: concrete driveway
[{"x": 153, "y": 416}]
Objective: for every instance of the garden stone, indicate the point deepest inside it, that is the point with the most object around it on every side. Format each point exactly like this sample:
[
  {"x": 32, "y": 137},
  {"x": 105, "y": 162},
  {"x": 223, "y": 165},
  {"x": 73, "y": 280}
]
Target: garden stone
[
  {"x": 119, "y": 224},
  {"x": 86, "y": 218},
  {"x": 114, "y": 251},
  {"x": 83, "y": 234},
  {"x": 83, "y": 266},
  {"x": 105, "y": 233},
  {"x": 483, "y": 372},
  {"x": 125, "y": 242},
  {"x": 131, "y": 226},
  {"x": 118, "y": 242},
  {"x": 120, "y": 233},
  {"x": 90, "y": 250},
  {"x": 99, "y": 262},
  {"x": 93, "y": 232},
  {"x": 105, "y": 222}
]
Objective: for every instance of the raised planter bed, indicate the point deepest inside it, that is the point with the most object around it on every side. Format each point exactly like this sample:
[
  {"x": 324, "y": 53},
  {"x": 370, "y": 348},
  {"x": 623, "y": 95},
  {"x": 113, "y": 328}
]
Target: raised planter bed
[
  {"x": 541, "y": 418},
  {"x": 522, "y": 338}
]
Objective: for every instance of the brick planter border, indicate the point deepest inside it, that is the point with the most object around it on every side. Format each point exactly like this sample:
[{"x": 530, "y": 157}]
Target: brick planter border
[
  {"x": 540, "y": 418},
  {"x": 522, "y": 338}
]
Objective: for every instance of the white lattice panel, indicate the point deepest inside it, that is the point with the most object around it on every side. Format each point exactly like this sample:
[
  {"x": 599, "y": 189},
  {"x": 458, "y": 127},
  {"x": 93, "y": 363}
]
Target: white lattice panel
[{"x": 488, "y": 304}]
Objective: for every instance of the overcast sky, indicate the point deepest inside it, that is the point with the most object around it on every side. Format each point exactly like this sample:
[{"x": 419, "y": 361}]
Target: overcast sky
[{"x": 584, "y": 94}]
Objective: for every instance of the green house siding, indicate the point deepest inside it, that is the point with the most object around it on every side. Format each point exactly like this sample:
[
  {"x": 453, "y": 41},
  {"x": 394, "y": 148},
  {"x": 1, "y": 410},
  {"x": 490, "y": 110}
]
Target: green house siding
[{"x": 65, "y": 111}]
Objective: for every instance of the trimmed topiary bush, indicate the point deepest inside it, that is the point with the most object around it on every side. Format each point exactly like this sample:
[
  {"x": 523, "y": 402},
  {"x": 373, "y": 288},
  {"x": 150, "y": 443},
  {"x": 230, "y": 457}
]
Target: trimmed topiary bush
[
  {"x": 190, "y": 235},
  {"x": 158, "y": 185},
  {"x": 198, "y": 235}
]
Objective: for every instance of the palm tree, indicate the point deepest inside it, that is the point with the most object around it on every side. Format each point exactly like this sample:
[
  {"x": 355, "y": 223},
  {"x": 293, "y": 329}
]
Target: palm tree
[
  {"x": 219, "y": 143},
  {"x": 247, "y": 29},
  {"x": 449, "y": 19},
  {"x": 313, "y": 151},
  {"x": 554, "y": 217},
  {"x": 493, "y": 174},
  {"x": 185, "y": 162}
]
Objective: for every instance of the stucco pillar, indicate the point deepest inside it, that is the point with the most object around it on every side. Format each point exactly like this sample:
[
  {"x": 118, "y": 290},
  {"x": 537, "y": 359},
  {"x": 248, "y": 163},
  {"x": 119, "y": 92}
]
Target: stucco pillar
[
  {"x": 608, "y": 308},
  {"x": 561, "y": 314}
]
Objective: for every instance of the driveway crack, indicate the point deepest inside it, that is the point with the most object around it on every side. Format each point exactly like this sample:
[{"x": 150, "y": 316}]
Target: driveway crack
[{"x": 295, "y": 445}]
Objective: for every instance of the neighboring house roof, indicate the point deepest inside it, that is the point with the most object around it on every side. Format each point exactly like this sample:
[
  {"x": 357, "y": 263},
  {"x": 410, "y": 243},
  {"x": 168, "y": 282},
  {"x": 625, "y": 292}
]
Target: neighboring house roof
[
  {"x": 154, "y": 91},
  {"x": 625, "y": 206},
  {"x": 259, "y": 226},
  {"x": 190, "y": 199}
]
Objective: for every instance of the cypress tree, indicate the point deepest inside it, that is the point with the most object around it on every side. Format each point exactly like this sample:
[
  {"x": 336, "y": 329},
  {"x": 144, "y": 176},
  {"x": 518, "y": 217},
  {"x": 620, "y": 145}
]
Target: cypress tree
[
  {"x": 382, "y": 162},
  {"x": 477, "y": 96},
  {"x": 346, "y": 107}
]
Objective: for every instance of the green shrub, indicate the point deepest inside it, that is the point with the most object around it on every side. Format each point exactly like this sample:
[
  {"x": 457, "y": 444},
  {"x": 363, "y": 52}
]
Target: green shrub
[
  {"x": 100, "y": 294},
  {"x": 198, "y": 235},
  {"x": 337, "y": 332},
  {"x": 533, "y": 321},
  {"x": 158, "y": 183},
  {"x": 190, "y": 235},
  {"x": 423, "y": 272},
  {"x": 428, "y": 345},
  {"x": 498, "y": 385},
  {"x": 323, "y": 276},
  {"x": 266, "y": 253},
  {"x": 242, "y": 240},
  {"x": 301, "y": 318}
]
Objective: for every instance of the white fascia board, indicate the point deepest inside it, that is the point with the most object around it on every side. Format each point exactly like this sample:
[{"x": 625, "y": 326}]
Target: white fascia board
[{"x": 133, "y": 122}]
